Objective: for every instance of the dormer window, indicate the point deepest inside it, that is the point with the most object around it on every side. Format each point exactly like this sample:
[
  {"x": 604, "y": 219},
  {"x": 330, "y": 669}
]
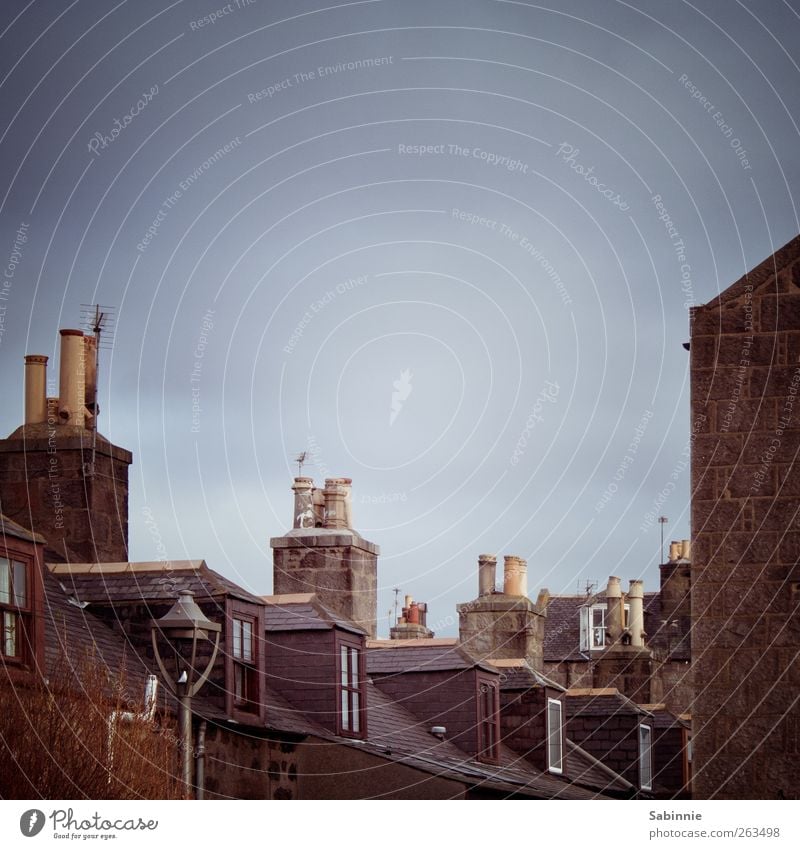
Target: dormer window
[
  {"x": 245, "y": 695},
  {"x": 351, "y": 678},
  {"x": 244, "y": 663},
  {"x": 593, "y": 625},
  {"x": 15, "y": 608}
]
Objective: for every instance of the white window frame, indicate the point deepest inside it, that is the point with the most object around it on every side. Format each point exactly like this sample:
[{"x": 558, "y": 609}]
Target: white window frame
[
  {"x": 645, "y": 757},
  {"x": 588, "y": 630},
  {"x": 558, "y": 770}
]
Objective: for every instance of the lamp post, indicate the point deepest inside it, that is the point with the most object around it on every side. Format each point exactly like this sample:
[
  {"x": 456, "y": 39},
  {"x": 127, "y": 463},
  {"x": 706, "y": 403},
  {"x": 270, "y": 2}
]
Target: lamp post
[{"x": 183, "y": 626}]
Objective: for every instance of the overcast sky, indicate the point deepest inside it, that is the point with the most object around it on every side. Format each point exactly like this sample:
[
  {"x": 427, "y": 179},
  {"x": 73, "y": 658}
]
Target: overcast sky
[{"x": 448, "y": 248}]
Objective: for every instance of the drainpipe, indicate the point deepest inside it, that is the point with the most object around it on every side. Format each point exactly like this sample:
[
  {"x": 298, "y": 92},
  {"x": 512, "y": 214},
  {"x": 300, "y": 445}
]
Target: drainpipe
[{"x": 200, "y": 754}]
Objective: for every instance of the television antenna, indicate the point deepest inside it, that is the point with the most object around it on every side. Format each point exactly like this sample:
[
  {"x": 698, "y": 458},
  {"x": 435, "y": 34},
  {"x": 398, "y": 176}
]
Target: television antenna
[
  {"x": 100, "y": 321},
  {"x": 301, "y": 459}
]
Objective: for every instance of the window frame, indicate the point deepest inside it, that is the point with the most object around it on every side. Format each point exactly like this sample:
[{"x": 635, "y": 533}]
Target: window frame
[
  {"x": 645, "y": 731},
  {"x": 250, "y": 708},
  {"x": 488, "y": 719},
  {"x": 556, "y": 770},
  {"x": 27, "y": 645},
  {"x": 354, "y": 689}
]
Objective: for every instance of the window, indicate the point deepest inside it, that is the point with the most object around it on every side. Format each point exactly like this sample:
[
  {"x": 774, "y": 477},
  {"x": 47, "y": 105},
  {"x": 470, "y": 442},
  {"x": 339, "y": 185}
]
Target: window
[
  {"x": 350, "y": 699},
  {"x": 593, "y": 625},
  {"x": 554, "y": 736},
  {"x": 645, "y": 757},
  {"x": 488, "y": 720},
  {"x": 14, "y": 605},
  {"x": 245, "y": 688}
]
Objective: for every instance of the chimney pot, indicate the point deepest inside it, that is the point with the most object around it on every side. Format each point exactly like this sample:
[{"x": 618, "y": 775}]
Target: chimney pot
[
  {"x": 487, "y": 574},
  {"x": 337, "y": 501},
  {"x": 614, "y": 610},
  {"x": 303, "y": 502},
  {"x": 35, "y": 389},
  {"x": 686, "y": 549},
  {"x": 72, "y": 378},
  {"x": 674, "y": 551},
  {"x": 636, "y": 612},
  {"x": 515, "y": 576}
]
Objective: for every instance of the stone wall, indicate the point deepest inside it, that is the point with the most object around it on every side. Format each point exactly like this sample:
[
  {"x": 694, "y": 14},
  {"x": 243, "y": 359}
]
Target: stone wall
[
  {"x": 745, "y": 412},
  {"x": 47, "y": 484}
]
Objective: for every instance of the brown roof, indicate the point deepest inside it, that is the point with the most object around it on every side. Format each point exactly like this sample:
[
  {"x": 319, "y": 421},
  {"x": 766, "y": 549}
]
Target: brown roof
[{"x": 303, "y": 612}]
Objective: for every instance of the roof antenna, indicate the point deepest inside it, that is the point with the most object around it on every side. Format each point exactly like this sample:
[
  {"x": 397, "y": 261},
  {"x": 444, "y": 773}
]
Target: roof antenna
[
  {"x": 396, "y": 595},
  {"x": 301, "y": 459},
  {"x": 99, "y": 320}
]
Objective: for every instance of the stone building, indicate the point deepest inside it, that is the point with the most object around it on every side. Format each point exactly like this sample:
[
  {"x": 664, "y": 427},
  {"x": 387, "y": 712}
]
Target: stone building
[{"x": 745, "y": 577}]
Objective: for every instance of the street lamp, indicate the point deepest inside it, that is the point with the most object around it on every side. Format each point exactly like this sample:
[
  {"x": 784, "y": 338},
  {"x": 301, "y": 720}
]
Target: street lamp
[{"x": 183, "y": 625}]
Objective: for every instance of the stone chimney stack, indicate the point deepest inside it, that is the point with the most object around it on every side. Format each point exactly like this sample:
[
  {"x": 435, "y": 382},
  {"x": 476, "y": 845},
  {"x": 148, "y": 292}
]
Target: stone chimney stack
[
  {"x": 322, "y": 554},
  {"x": 515, "y": 576},
  {"x": 636, "y": 613},
  {"x": 503, "y": 625},
  {"x": 35, "y": 389},
  {"x": 487, "y": 574},
  {"x": 614, "y": 611},
  {"x": 58, "y": 475}
]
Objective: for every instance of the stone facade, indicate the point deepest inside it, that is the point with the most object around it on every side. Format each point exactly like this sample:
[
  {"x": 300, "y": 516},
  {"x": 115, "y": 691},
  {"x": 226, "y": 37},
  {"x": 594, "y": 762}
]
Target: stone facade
[
  {"x": 338, "y": 565},
  {"x": 745, "y": 577},
  {"x": 501, "y": 626},
  {"x": 49, "y": 483}
]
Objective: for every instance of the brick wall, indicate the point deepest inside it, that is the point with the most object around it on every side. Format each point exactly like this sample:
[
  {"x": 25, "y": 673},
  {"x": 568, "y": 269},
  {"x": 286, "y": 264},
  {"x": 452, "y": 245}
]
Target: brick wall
[{"x": 745, "y": 379}]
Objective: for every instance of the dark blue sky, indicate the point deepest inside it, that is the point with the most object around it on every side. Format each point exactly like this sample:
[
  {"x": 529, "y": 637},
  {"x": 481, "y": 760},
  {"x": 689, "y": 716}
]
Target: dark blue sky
[{"x": 497, "y": 211}]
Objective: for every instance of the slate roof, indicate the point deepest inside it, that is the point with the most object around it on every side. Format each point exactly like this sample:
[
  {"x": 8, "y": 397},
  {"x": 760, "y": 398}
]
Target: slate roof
[
  {"x": 518, "y": 674},
  {"x": 151, "y": 581},
  {"x": 607, "y": 701},
  {"x": 73, "y": 634},
  {"x": 588, "y": 771},
  {"x": 392, "y": 657},
  {"x": 10, "y": 528},
  {"x": 303, "y": 612}
]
